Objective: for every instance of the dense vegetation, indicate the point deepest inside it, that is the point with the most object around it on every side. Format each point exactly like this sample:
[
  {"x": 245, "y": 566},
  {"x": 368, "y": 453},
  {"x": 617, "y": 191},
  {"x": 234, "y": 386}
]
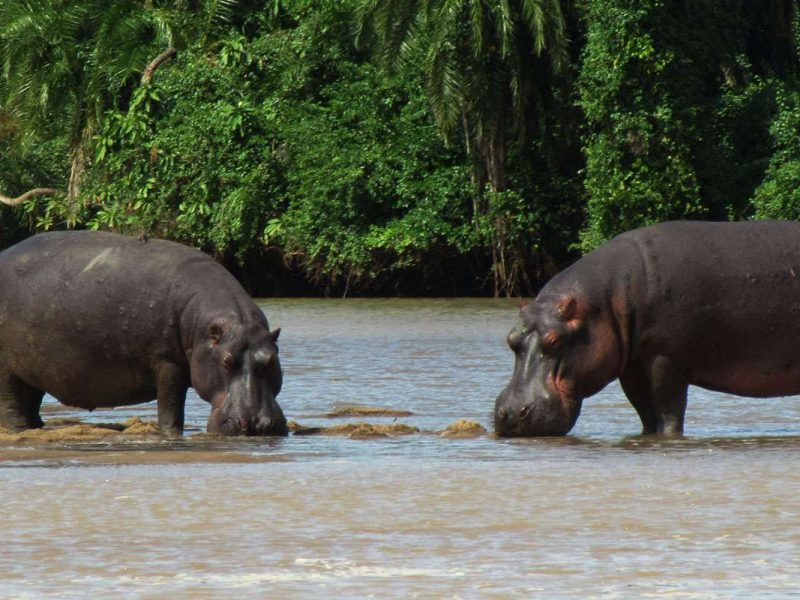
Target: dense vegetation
[{"x": 395, "y": 146}]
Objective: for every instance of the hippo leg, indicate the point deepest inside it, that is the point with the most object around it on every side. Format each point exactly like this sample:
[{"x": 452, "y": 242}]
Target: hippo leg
[
  {"x": 658, "y": 392},
  {"x": 19, "y": 403},
  {"x": 637, "y": 388},
  {"x": 171, "y": 393}
]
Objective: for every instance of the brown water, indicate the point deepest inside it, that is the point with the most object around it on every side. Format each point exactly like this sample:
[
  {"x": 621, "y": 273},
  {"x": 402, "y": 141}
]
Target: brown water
[{"x": 600, "y": 513}]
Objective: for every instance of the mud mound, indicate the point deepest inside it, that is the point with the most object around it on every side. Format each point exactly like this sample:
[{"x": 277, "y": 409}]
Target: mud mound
[
  {"x": 369, "y": 430},
  {"x": 361, "y": 410},
  {"x": 463, "y": 429},
  {"x": 135, "y": 426},
  {"x": 298, "y": 429},
  {"x": 81, "y": 432},
  {"x": 73, "y": 430}
]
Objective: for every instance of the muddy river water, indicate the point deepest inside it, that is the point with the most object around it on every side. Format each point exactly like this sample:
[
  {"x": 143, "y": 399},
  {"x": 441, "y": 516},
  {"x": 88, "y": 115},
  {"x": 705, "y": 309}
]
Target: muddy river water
[{"x": 601, "y": 513}]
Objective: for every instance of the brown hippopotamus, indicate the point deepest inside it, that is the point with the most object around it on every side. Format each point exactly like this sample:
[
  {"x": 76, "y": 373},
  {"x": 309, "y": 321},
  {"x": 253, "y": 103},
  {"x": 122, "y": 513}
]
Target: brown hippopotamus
[
  {"x": 99, "y": 319},
  {"x": 715, "y": 305}
]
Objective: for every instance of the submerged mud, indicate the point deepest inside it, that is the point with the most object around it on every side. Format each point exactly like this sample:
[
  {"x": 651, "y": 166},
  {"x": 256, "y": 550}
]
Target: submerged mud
[
  {"x": 356, "y": 430},
  {"x": 463, "y": 428},
  {"x": 363, "y": 410}
]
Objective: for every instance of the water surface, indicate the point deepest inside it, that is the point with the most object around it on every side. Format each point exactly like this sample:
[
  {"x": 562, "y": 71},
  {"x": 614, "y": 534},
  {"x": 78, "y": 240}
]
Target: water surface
[{"x": 601, "y": 513}]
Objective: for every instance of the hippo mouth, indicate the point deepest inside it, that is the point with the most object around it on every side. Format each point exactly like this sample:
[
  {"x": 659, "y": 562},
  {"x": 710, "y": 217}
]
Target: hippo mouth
[
  {"x": 243, "y": 427},
  {"x": 527, "y": 425},
  {"x": 235, "y": 426}
]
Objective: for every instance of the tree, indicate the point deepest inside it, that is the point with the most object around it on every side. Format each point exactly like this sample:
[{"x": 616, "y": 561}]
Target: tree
[
  {"x": 488, "y": 66},
  {"x": 65, "y": 63}
]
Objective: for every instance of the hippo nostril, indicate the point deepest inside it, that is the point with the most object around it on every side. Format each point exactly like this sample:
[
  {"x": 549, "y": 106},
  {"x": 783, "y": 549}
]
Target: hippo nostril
[
  {"x": 524, "y": 412},
  {"x": 501, "y": 416}
]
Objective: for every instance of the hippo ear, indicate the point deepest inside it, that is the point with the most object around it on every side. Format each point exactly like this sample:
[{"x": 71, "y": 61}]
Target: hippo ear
[
  {"x": 275, "y": 334},
  {"x": 567, "y": 308}
]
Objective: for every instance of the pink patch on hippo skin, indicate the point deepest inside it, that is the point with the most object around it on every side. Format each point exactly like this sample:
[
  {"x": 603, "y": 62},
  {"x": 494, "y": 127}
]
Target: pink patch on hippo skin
[
  {"x": 565, "y": 392},
  {"x": 566, "y": 308}
]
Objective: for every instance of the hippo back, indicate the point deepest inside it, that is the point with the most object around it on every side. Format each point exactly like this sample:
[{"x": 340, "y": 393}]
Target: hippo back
[{"x": 722, "y": 300}]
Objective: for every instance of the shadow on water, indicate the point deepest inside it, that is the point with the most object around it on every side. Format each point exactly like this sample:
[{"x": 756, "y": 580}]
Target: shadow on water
[
  {"x": 650, "y": 443},
  {"x": 643, "y": 442}
]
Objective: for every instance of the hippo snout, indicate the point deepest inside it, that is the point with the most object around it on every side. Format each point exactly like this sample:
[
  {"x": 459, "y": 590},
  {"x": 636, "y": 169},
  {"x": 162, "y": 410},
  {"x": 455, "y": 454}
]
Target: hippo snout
[
  {"x": 531, "y": 418},
  {"x": 269, "y": 425},
  {"x": 273, "y": 423}
]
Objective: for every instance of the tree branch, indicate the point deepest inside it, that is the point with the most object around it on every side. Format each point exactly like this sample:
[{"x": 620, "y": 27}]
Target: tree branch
[
  {"x": 28, "y": 195},
  {"x": 147, "y": 74}
]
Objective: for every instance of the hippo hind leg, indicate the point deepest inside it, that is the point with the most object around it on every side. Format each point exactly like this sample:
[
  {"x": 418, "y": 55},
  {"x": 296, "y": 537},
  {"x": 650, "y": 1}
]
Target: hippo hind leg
[
  {"x": 658, "y": 392},
  {"x": 19, "y": 403}
]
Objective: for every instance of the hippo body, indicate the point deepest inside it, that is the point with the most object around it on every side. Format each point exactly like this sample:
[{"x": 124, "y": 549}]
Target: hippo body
[
  {"x": 716, "y": 305},
  {"x": 100, "y": 320}
]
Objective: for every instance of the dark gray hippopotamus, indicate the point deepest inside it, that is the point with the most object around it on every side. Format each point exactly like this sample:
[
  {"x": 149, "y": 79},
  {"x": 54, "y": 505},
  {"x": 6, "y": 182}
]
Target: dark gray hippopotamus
[
  {"x": 99, "y": 319},
  {"x": 715, "y": 305}
]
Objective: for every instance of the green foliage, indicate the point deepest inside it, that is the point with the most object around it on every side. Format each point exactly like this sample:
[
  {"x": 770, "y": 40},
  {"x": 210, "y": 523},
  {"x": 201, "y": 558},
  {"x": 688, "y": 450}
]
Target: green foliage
[
  {"x": 501, "y": 135},
  {"x": 477, "y": 55},
  {"x": 677, "y": 116},
  {"x": 64, "y": 63},
  {"x": 370, "y": 187},
  {"x": 190, "y": 159},
  {"x": 778, "y": 196},
  {"x": 289, "y": 139},
  {"x": 488, "y": 66},
  {"x": 642, "y": 96}
]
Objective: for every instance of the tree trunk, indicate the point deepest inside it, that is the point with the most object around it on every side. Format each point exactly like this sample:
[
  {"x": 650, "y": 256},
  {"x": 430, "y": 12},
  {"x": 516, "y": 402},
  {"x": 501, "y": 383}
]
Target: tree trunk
[
  {"x": 28, "y": 195},
  {"x": 79, "y": 156},
  {"x": 503, "y": 269},
  {"x": 477, "y": 172},
  {"x": 147, "y": 74}
]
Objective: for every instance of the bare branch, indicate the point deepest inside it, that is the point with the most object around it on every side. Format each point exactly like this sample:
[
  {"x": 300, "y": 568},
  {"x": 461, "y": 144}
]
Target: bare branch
[
  {"x": 147, "y": 75},
  {"x": 28, "y": 195}
]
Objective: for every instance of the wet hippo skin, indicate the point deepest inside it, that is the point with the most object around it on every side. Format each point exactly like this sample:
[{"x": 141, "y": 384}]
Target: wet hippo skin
[
  {"x": 99, "y": 319},
  {"x": 715, "y": 305}
]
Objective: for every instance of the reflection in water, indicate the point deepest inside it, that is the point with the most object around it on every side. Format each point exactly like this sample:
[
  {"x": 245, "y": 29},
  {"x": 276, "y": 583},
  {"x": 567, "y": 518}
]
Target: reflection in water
[{"x": 601, "y": 513}]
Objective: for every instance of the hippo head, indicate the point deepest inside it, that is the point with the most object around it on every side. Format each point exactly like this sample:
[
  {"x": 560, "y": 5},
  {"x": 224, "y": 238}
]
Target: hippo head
[
  {"x": 235, "y": 367},
  {"x": 565, "y": 351}
]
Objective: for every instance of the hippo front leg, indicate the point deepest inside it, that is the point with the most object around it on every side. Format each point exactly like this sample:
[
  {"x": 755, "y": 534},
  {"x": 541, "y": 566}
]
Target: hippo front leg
[
  {"x": 172, "y": 385},
  {"x": 19, "y": 403},
  {"x": 658, "y": 392}
]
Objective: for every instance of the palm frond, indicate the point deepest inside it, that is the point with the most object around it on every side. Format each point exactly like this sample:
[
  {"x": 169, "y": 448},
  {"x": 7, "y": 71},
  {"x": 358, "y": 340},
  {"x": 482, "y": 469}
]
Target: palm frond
[
  {"x": 445, "y": 90},
  {"x": 506, "y": 28}
]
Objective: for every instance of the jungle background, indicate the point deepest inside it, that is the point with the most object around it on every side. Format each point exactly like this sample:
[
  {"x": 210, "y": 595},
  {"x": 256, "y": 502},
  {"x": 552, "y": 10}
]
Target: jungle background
[{"x": 395, "y": 147}]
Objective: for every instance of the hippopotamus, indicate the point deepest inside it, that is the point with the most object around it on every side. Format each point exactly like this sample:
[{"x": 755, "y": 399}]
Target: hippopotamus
[
  {"x": 715, "y": 305},
  {"x": 100, "y": 320}
]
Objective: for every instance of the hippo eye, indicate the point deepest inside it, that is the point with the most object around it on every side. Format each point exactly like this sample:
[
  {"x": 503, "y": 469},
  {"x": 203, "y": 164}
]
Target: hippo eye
[
  {"x": 215, "y": 333},
  {"x": 551, "y": 341}
]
